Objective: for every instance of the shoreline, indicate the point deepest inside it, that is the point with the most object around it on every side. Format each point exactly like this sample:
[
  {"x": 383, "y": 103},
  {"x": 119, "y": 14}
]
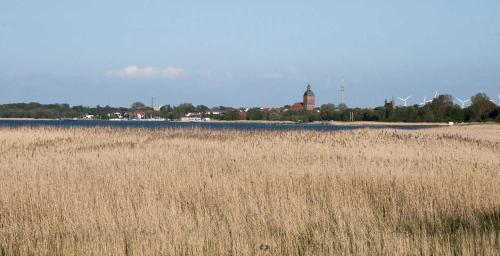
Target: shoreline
[
  {"x": 26, "y": 119},
  {"x": 333, "y": 123},
  {"x": 383, "y": 123}
]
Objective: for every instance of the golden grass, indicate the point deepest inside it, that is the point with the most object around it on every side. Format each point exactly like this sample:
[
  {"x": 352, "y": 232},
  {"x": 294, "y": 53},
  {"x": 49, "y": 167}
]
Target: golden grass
[{"x": 366, "y": 192}]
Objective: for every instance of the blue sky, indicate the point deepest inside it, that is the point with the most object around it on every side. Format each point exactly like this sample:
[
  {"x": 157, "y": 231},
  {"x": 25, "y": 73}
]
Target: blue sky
[{"x": 246, "y": 53}]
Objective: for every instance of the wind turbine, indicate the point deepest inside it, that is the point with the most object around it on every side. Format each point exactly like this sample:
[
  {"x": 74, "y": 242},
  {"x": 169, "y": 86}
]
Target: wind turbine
[
  {"x": 435, "y": 95},
  {"x": 462, "y": 102},
  {"x": 492, "y": 101},
  {"x": 404, "y": 100},
  {"x": 424, "y": 102}
]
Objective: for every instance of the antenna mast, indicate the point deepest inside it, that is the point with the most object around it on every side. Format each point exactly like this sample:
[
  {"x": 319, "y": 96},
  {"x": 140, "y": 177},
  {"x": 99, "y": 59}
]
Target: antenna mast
[{"x": 342, "y": 90}]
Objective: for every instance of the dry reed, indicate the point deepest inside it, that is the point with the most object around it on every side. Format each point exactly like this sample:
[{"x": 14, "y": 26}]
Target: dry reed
[{"x": 101, "y": 191}]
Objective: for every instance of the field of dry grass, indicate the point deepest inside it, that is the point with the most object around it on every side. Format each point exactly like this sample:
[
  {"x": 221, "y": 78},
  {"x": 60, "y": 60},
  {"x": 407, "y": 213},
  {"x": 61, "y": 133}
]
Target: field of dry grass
[{"x": 365, "y": 192}]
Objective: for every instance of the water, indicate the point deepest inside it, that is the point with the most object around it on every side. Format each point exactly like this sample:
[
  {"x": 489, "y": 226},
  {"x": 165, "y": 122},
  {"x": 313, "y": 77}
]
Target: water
[{"x": 208, "y": 125}]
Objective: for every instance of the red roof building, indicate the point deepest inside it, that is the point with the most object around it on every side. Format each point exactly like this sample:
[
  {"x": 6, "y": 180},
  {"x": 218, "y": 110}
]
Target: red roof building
[
  {"x": 297, "y": 106},
  {"x": 242, "y": 114}
]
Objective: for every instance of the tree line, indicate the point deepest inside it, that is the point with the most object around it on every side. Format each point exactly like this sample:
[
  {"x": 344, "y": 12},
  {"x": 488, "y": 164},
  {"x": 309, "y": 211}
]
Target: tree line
[
  {"x": 440, "y": 109},
  {"x": 55, "y": 111}
]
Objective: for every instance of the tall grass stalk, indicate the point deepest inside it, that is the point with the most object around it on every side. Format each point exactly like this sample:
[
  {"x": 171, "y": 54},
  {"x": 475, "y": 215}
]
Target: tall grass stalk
[{"x": 97, "y": 191}]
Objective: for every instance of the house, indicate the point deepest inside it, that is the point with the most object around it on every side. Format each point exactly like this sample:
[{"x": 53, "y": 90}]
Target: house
[
  {"x": 190, "y": 119},
  {"x": 138, "y": 114},
  {"x": 297, "y": 106},
  {"x": 214, "y": 111},
  {"x": 242, "y": 114},
  {"x": 193, "y": 114}
]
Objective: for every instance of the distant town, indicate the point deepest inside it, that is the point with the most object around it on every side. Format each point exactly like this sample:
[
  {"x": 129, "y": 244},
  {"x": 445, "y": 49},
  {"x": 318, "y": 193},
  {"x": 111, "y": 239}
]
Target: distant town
[{"x": 440, "y": 108}]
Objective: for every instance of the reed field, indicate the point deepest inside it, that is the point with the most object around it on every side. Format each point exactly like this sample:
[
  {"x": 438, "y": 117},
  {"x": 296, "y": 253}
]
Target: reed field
[{"x": 103, "y": 191}]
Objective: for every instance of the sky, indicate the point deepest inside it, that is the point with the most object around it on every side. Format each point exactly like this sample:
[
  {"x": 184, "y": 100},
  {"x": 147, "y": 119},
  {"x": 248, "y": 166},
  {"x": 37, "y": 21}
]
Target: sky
[{"x": 246, "y": 53}]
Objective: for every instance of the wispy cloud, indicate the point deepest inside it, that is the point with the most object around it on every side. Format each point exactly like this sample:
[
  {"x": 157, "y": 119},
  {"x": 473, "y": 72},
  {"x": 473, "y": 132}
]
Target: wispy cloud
[{"x": 148, "y": 72}]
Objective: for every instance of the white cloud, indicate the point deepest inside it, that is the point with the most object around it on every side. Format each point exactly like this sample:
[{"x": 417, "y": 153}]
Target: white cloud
[{"x": 149, "y": 72}]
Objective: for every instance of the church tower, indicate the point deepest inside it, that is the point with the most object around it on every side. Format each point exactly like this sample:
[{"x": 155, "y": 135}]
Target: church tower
[{"x": 308, "y": 99}]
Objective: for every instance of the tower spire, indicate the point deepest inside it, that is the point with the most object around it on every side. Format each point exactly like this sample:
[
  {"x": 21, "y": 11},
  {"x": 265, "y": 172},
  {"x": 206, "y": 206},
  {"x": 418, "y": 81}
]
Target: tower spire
[{"x": 308, "y": 102}]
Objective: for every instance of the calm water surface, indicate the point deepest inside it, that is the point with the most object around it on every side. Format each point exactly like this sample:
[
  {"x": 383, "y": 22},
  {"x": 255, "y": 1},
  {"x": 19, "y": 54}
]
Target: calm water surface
[{"x": 208, "y": 125}]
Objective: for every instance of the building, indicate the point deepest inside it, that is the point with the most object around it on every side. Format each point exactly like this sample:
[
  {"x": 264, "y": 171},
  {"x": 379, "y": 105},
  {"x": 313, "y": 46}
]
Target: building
[
  {"x": 191, "y": 119},
  {"x": 297, "y": 106},
  {"x": 391, "y": 104},
  {"x": 308, "y": 102},
  {"x": 242, "y": 114}
]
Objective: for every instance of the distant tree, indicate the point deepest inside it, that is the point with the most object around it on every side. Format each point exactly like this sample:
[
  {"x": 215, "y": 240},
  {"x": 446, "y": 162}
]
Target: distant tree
[
  {"x": 313, "y": 116},
  {"x": 342, "y": 106},
  {"x": 186, "y": 107},
  {"x": 275, "y": 116},
  {"x": 441, "y": 106},
  {"x": 202, "y": 108},
  {"x": 456, "y": 114},
  {"x": 33, "y": 105},
  {"x": 495, "y": 114},
  {"x": 182, "y": 109},
  {"x": 225, "y": 109},
  {"x": 80, "y": 111},
  {"x": 379, "y": 112},
  {"x": 137, "y": 105},
  {"x": 425, "y": 114},
  {"x": 231, "y": 114},
  {"x": 370, "y": 115},
  {"x": 481, "y": 107},
  {"x": 166, "y": 108},
  {"x": 166, "y": 112},
  {"x": 254, "y": 114},
  {"x": 327, "y": 112}
]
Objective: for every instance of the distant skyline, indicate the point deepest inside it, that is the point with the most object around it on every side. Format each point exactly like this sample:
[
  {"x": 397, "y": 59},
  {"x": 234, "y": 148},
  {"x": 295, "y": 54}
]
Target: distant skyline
[{"x": 246, "y": 53}]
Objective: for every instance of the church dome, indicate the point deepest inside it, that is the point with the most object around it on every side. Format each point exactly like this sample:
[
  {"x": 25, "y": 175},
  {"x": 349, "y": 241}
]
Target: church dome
[{"x": 309, "y": 92}]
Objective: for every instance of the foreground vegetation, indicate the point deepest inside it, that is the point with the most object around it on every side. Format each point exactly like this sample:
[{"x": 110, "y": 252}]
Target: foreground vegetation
[{"x": 365, "y": 192}]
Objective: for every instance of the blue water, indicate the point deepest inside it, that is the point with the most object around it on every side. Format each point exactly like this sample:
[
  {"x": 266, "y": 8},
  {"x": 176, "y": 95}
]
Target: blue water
[{"x": 208, "y": 125}]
